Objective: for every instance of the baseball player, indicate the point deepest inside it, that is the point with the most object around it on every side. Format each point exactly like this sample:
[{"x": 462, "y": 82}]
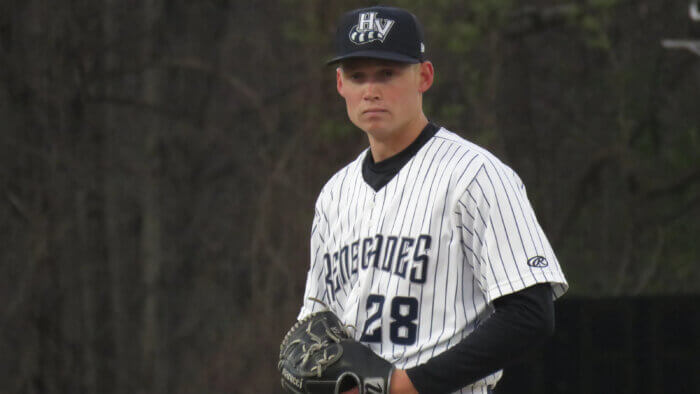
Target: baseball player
[{"x": 426, "y": 243}]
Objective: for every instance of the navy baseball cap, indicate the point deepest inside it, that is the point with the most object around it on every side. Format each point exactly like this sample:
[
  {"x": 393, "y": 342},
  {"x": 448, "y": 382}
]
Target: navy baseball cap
[{"x": 379, "y": 32}]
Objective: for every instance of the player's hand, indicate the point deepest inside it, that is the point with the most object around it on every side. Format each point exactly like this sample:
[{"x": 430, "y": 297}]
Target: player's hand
[
  {"x": 401, "y": 383},
  {"x": 352, "y": 391}
]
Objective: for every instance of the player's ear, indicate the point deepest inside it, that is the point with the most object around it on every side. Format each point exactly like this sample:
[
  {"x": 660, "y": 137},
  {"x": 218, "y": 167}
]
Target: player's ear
[
  {"x": 426, "y": 75},
  {"x": 339, "y": 80}
]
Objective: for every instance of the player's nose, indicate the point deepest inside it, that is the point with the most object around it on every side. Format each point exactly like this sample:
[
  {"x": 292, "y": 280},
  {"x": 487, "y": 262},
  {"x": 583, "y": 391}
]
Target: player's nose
[{"x": 371, "y": 91}]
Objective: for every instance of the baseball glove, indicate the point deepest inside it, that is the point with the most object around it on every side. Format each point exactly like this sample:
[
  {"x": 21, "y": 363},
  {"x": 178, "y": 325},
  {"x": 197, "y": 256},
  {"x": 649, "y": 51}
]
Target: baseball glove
[{"x": 318, "y": 356}]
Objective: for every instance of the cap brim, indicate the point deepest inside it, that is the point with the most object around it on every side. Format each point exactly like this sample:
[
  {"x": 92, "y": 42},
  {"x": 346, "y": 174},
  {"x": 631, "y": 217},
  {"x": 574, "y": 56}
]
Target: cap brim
[{"x": 374, "y": 55}]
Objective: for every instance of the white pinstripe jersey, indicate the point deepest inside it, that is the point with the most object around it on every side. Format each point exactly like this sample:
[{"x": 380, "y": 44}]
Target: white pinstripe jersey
[{"x": 416, "y": 265}]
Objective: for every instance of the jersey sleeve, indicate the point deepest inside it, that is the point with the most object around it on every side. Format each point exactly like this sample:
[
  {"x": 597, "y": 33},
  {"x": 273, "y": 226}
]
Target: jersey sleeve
[
  {"x": 315, "y": 285},
  {"x": 502, "y": 240}
]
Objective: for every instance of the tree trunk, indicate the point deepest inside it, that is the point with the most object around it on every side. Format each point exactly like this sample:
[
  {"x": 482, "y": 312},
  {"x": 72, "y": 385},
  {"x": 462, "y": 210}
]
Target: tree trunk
[
  {"x": 87, "y": 295},
  {"x": 110, "y": 189},
  {"x": 151, "y": 253}
]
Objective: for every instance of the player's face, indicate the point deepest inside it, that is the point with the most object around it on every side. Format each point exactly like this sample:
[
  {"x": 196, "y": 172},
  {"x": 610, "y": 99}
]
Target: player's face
[{"x": 383, "y": 98}]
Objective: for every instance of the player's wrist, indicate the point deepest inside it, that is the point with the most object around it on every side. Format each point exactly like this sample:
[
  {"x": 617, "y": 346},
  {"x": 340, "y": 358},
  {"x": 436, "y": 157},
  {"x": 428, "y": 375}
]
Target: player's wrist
[{"x": 401, "y": 383}]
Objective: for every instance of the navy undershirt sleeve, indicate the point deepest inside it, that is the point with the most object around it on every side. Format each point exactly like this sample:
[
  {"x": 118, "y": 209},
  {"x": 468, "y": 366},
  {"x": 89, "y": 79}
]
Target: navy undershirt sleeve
[{"x": 521, "y": 322}]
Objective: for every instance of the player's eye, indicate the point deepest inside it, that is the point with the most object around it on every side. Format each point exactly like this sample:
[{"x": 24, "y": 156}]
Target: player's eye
[{"x": 387, "y": 73}]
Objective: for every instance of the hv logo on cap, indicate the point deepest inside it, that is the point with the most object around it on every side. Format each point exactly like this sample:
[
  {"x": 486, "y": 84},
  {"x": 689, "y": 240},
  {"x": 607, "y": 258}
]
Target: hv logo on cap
[
  {"x": 379, "y": 32},
  {"x": 370, "y": 28}
]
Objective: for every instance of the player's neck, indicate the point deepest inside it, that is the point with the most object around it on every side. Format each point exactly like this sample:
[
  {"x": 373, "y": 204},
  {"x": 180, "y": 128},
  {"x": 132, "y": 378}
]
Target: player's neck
[{"x": 384, "y": 148}]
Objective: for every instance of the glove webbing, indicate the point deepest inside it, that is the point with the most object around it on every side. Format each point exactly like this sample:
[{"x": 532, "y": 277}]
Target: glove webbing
[{"x": 319, "y": 343}]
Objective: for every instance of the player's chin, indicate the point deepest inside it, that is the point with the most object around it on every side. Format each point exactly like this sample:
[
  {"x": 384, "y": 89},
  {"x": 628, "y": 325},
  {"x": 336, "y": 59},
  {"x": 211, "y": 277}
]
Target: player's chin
[
  {"x": 379, "y": 133},
  {"x": 374, "y": 125}
]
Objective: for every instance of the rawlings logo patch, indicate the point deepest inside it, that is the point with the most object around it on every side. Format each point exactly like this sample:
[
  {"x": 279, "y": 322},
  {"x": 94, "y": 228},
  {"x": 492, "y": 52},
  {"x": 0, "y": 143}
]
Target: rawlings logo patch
[
  {"x": 537, "y": 262},
  {"x": 374, "y": 386},
  {"x": 291, "y": 379},
  {"x": 370, "y": 28}
]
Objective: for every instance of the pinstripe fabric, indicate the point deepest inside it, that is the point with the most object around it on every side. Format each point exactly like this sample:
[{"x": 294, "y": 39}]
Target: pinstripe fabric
[{"x": 416, "y": 265}]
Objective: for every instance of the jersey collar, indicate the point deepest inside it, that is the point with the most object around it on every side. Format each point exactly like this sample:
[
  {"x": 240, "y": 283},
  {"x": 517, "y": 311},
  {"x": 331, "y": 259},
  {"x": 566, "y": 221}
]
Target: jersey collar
[{"x": 377, "y": 175}]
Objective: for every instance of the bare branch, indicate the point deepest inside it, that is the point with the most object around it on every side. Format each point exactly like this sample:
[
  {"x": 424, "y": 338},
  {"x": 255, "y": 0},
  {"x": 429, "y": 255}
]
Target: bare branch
[
  {"x": 198, "y": 65},
  {"x": 18, "y": 205},
  {"x": 250, "y": 94},
  {"x": 647, "y": 275},
  {"x": 530, "y": 19},
  {"x": 677, "y": 186}
]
